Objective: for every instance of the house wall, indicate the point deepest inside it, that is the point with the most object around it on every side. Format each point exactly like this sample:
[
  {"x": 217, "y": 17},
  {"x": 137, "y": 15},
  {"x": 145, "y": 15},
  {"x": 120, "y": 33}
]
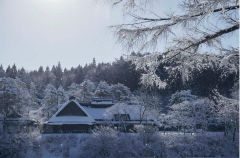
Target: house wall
[{"x": 66, "y": 128}]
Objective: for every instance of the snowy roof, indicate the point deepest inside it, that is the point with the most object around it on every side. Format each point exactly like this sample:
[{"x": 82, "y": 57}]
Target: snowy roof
[
  {"x": 58, "y": 119},
  {"x": 101, "y": 113},
  {"x": 21, "y": 118},
  {"x": 96, "y": 113}
]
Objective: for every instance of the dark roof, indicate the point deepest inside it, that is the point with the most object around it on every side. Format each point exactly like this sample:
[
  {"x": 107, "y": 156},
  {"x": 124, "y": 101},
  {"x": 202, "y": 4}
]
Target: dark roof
[
  {"x": 103, "y": 99},
  {"x": 71, "y": 109},
  {"x": 89, "y": 104}
]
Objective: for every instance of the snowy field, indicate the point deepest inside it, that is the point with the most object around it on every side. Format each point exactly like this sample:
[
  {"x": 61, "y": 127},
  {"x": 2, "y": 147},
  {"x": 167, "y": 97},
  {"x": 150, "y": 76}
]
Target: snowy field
[{"x": 173, "y": 144}]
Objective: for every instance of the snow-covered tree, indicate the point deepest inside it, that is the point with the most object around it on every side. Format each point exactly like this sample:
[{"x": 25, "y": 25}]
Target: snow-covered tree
[
  {"x": 204, "y": 113},
  {"x": 104, "y": 141},
  {"x": 148, "y": 106},
  {"x": 182, "y": 116},
  {"x": 120, "y": 92},
  {"x": 228, "y": 113},
  {"x": 25, "y": 101},
  {"x": 103, "y": 90},
  {"x": 49, "y": 77},
  {"x": 74, "y": 90},
  {"x": 59, "y": 75},
  {"x": 33, "y": 90},
  {"x": 235, "y": 91},
  {"x": 61, "y": 95},
  {"x": 87, "y": 88},
  {"x": 14, "y": 71},
  {"x": 50, "y": 97},
  {"x": 8, "y": 95},
  {"x": 8, "y": 71},
  {"x": 23, "y": 76},
  {"x": 183, "y": 95},
  {"x": 119, "y": 112},
  {"x": 2, "y": 72},
  {"x": 202, "y": 23}
]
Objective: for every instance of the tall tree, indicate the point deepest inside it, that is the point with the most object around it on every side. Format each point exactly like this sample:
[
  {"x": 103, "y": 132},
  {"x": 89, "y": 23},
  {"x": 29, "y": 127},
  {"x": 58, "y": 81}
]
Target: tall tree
[
  {"x": 8, "y": 95},
  {"x": 8, "y": 71},
  {"x": 50, "y": 97},
  {"x": 14, "y": 71},
  {"x": 203, "y": 23},
  {"x": 2, "y": 72},
  {"x": 103, "y": 90},
  {"x": 49, "y": 77},
  {"x": 59, "y": 75},
  {"x": 62, "y": 96}
]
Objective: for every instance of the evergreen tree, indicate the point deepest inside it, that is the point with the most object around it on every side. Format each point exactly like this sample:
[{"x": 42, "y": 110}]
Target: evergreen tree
[
  {"x": 8, "y": 71},
  {"x": 40, "y": 71},
  {"x": 59, "y": 75},
  {"x": 14, "y": 71},
  {"x": 48, "y": 76},
  {"x": 79, "y": 75},
  {"x": 50, "y": 97},
  {"x": 8, "y": 96},
  {"x": 33, "y": 91},
  {"x": 2, "y": 72},
  {"x": 94, "y": 63},
  {"x": 23, "y": 76}
]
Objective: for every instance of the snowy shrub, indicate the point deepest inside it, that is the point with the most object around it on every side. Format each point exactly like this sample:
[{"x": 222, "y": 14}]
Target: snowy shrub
[
  {"x": 146, "y": 133},
  {"x": 101, "y": 143},
  {"x": 66, "y": 150},
  {"x": 9, "y": 146}
]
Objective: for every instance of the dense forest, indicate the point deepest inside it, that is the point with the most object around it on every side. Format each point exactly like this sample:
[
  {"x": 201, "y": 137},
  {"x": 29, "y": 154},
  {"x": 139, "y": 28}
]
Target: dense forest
[{"x": 121, "y": 74}]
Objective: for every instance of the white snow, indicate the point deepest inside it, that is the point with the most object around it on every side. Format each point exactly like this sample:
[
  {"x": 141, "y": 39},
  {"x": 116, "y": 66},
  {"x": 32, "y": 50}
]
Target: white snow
[{"x": 71, "y": 119}]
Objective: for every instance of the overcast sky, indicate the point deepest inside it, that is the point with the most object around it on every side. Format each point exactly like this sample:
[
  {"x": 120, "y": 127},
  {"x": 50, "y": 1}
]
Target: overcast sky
[{"x": 37, "y": 33}]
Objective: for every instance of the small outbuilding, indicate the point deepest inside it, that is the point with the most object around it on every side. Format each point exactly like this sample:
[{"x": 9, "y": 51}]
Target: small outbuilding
[{"x": 16, "y": 123}]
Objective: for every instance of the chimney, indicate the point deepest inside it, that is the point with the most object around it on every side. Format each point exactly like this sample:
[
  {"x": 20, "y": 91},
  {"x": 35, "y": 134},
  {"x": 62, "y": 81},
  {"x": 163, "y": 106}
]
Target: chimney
[{"x": 72, "y": 98}]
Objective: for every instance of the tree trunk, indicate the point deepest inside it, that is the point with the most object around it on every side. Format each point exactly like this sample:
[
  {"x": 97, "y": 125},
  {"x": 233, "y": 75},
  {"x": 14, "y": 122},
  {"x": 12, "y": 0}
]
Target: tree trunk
[{"x": 234, "y": 131}]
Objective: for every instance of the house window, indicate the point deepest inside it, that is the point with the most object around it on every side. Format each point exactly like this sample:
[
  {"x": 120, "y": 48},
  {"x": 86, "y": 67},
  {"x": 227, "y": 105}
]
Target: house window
[{"x": 124, "y": 117}]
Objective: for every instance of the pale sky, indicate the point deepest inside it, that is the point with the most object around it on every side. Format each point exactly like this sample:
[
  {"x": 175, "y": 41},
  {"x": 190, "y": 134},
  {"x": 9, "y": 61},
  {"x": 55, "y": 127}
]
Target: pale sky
[{"x": 37, "y": 33}]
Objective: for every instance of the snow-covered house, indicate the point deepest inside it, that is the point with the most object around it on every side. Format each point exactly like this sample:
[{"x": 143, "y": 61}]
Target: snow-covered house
[
  {"x": 16, "y": 123},
  {"x": 71, "y": 117},
  {"x": 82, "y": 117}
]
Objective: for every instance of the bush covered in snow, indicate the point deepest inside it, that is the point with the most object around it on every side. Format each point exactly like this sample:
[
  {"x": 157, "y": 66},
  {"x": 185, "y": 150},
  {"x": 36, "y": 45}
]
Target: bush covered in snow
[{"x": 148, "y": 142}]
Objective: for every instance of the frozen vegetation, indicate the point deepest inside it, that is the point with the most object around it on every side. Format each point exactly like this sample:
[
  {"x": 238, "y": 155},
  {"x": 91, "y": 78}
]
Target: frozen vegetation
[
  {"x": 187, "y": 96},
  {"x": 107, "y": 142}
]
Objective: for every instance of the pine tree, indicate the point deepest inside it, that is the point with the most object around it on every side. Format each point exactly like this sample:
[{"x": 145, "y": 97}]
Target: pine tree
[
  {"x": 2, "y": 72},
  {"x": 14, "y": 71},
  {"x": 23, "y": 76},
  {"x": 59, "y": 75},
  {"x": 79, "y": 75},
  {"x": 48, "y": 77},
  {"x": 8, "y": 71}
]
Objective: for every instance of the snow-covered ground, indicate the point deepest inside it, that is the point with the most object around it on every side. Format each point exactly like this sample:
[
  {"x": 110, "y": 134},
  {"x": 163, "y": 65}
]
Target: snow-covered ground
[
  {"x": 69, "y": 145},
  {"x": 56, "y": 146}
]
